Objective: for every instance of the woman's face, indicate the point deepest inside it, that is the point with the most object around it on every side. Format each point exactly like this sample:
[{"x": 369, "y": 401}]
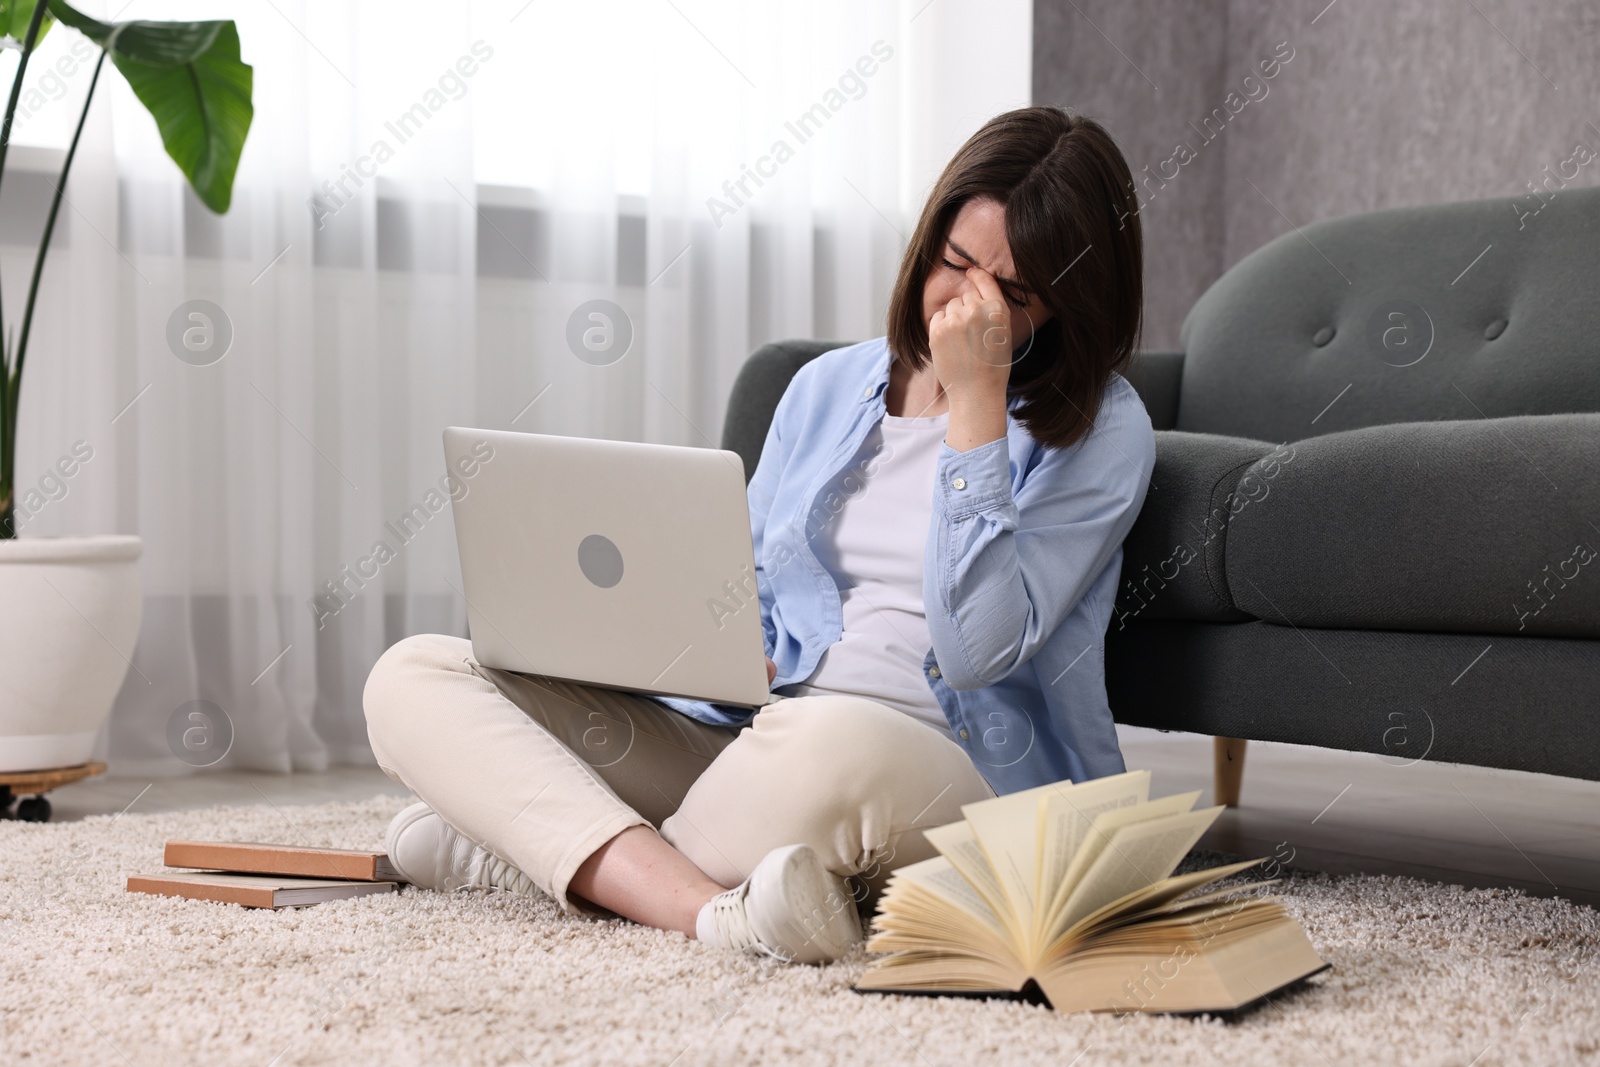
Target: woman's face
[{"x": 977, "y": 238}]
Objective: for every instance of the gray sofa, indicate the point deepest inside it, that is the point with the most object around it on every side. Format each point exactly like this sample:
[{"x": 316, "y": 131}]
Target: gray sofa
[{"x": 1374, "y": 519}]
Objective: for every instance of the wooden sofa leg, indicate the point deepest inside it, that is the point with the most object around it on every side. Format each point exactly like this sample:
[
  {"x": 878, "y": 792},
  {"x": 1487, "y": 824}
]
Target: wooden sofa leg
[{"x": 1227, "y": 769}]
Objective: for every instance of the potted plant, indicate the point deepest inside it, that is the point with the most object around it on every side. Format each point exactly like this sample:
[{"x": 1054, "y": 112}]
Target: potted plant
[{"x": 72, "y": 604}]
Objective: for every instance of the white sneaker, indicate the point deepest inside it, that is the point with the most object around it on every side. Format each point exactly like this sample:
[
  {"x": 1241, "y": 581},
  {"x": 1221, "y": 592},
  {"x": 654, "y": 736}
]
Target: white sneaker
[
  {"x": 427, "y": 851},
  {"x": 791, "y": 908}
]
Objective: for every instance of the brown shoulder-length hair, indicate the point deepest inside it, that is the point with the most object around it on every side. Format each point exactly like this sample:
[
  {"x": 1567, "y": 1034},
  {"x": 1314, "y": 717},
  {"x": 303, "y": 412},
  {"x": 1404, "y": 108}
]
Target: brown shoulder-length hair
[{"x": 1072, "y": 221}]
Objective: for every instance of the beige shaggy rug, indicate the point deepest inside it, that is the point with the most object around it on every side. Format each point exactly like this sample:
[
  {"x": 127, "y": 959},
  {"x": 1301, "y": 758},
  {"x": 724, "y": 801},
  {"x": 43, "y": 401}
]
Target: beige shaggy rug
[{"x": 1423, "y": 974}]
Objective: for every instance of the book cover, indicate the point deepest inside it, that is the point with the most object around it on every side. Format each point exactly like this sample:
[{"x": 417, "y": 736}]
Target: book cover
[
  {"x": 251, "y": 890},
  {"x": 248, "y": 857}
]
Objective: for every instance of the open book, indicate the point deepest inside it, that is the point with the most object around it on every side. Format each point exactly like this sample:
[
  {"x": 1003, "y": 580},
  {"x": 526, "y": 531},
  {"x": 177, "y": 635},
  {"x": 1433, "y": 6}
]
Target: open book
[{"x": 1064, "y": 894}]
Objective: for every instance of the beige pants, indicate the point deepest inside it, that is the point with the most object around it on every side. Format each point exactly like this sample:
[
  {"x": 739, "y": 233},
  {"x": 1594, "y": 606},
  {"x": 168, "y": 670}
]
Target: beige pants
[{"x": 543, "y": 772}]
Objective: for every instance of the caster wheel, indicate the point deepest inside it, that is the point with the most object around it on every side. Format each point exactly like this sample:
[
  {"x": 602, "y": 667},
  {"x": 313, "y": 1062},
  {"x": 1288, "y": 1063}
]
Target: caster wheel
[{"x": 34, "y": 809}]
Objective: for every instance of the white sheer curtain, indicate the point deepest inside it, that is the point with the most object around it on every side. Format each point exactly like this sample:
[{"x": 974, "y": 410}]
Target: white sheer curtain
[{"x": 430, "y": 201}]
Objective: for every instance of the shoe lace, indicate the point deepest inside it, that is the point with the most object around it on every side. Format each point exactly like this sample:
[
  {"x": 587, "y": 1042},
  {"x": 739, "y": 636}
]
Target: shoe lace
[
  {"x": 496, "y": 873},
  {"x": 732, "y": 924}
]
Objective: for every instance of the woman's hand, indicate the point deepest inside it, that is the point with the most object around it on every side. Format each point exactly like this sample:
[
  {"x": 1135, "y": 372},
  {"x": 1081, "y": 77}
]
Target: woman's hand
[
  {"x": 970, "y": 341},
  {"x": 772, "y": 670}
]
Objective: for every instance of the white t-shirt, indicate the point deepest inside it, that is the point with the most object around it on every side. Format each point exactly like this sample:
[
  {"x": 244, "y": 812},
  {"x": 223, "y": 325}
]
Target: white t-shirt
[{"x": 873, "y": 546}]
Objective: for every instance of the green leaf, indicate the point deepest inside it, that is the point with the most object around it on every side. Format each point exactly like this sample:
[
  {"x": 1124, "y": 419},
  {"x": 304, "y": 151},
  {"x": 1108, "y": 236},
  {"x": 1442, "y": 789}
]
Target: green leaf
[
  {"x": 190, "y": 78},
  {"x": 15, "y": 16},
  {"x": 203, "y": 110}
]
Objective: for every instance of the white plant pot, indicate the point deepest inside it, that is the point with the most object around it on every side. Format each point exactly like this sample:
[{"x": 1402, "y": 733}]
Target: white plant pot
[{"x": 69, "y": 620}]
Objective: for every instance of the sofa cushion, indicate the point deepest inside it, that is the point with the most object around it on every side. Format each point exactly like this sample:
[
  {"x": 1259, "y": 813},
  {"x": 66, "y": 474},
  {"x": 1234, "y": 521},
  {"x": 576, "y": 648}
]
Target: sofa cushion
[
  {"x": 1486, "y": 526},
  {"x": 1172, "y": 559},
  {"x": 1467, "y": 310}
]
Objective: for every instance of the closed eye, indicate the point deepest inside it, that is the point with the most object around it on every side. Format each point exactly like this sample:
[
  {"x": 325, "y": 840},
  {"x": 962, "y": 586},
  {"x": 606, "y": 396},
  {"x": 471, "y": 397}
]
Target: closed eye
[{"x": 1013, "y": 301}]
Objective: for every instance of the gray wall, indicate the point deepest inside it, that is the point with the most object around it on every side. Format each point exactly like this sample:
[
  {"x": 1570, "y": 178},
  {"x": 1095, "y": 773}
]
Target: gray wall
[{"x": 1385, "y": 103}]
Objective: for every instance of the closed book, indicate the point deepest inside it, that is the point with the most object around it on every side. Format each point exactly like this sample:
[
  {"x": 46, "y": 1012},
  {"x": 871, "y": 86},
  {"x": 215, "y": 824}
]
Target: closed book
[
  {"x": 253, "y": 890},
  {"x": 245, "y": 857}
]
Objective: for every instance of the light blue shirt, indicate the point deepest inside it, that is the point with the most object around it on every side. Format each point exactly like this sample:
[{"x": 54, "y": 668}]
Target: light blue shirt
[{"x": 1020, "y": 568}]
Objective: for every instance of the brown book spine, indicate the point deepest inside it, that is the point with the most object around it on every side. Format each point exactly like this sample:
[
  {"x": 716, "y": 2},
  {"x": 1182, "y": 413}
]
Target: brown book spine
[
  {"x": 247, "y": 858},
  {"x": 249, "y": 896}
]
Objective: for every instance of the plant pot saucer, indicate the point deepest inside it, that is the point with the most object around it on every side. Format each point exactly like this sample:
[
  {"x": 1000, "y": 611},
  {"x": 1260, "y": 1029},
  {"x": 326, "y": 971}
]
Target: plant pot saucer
[{"x": 36, "y": 808}]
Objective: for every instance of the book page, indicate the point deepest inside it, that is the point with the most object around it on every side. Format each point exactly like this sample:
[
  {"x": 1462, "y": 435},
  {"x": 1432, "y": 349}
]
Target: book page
[
  {"x": 1224, "y": 919},
  {"x": 1167, "y": 896},
  {"x": 1094, "y": 842},
  {"x": 1100, "y": 794},
  {"x": 1067, "y": 819},
  {"x": 1135, "y": 857},
  {"x": 940, "y": 878},
  {"x": 1007, "y": 828},
  {"x": 1070, "y": 814},
  {"x": 957, "y": 843},
  {"x": 1238, "y": 967}
]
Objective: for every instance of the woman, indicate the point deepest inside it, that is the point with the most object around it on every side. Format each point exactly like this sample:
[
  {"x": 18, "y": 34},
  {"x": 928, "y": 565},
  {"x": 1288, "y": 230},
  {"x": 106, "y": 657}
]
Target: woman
[{"x": 938, "y": 518}]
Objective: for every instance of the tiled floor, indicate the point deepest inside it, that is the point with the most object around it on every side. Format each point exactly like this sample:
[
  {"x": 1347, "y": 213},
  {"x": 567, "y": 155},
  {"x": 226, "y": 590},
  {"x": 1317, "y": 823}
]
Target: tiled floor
[{"x": 1310, "y": 808}]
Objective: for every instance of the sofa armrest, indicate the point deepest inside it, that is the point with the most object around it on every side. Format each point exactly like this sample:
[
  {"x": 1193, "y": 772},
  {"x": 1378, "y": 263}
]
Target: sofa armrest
[
  {"x": 1172, "y": 559},
  {"x": 1156, "y": 376},
  {"x": 1480, "y": 526}
]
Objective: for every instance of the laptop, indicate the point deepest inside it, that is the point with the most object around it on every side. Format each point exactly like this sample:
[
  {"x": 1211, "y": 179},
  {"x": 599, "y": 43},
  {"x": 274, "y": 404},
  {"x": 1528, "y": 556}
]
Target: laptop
[{"x": 611, "y": 563}]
